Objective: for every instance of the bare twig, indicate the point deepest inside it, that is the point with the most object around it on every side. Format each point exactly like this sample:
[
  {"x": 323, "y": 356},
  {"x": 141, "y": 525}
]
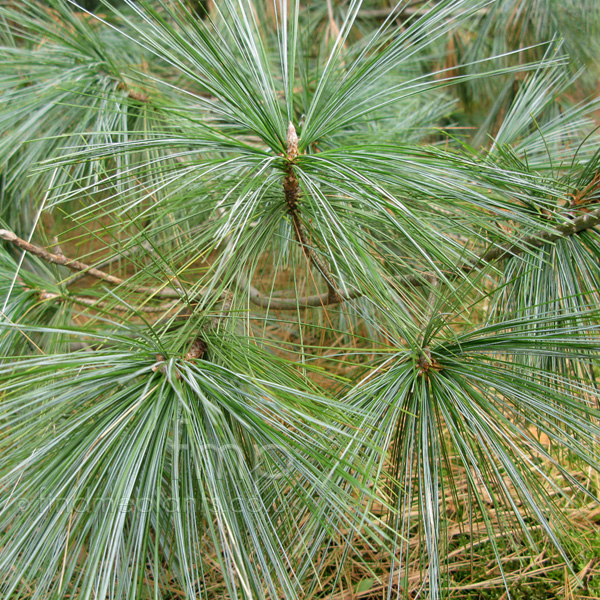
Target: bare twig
[
  {"x": 76, "y": 265},
  {"x": 581, "y": 223},
  {"x": 113, "y": 259},
  {"x": 133, "y": 94},
  {"x": 279, "y": 303},
  {"x": 94, "y": 303}
]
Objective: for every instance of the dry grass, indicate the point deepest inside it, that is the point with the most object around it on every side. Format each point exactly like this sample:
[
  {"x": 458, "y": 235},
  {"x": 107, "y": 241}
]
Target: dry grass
[{"x": 472, "y": 571}]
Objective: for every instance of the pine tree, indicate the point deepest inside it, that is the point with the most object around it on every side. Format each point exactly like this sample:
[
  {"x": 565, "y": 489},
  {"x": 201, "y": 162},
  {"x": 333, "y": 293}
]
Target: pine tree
[{"x": 283, "y": 281}]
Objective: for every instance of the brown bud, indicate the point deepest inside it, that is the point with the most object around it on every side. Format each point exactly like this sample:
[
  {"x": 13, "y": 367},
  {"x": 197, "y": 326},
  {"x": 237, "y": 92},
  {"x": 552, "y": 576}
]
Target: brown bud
[
  {"x": 292, "y": 142},
  {"x": 159, "y": 358},
  {"x": 197, "y": 349}
]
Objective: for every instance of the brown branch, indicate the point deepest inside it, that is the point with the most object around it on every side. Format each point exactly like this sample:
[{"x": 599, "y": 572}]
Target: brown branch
[
  {"x": 577, "y": 225},
  {"x": 133, "y": 94},
  {"x": 384, "y": 13},
  {"x": 113, "y": 259},
  {"x": 197, "y": 349},
  {"x": 279, "y": 303},
  {"x": 137, "y": 96},
  {"x": 93, "y": 303},
  {"x": 402, "y": 12},
  {"x": 227, "y": 302},
  {"x": 291, "y": 189},
  {"x": 581, "y": 223},
  {"x": 76, "y": 265}
]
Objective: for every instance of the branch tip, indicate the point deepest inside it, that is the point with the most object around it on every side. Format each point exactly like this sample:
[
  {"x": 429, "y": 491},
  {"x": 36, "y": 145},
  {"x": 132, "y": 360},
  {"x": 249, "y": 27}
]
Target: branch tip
[{"x": 292, "y": 142}]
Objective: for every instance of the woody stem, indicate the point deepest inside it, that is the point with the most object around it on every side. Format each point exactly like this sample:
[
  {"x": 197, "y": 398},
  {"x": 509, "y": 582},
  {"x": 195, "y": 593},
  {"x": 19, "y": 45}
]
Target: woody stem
[{"x": 291, "y": 188}]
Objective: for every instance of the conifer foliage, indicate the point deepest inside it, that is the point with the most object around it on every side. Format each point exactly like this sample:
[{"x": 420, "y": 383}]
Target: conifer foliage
[{"x": 284, "y": 280}]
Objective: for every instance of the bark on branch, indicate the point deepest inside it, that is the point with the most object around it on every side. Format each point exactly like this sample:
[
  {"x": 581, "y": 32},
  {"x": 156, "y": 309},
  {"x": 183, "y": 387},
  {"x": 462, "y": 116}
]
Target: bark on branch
[
  {"x": 577, "y": 225},
  {"x": 291, "y": 189},
  {"x": 76, "y": 265},
  {"x": 279, "y": 303},
  {"x": 581, "y": 223},
  {"x": 99, "y": 304}
]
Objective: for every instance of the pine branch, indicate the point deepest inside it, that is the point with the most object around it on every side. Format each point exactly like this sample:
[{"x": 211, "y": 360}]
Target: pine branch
[
  {"x": 291, "y": 188},
  {"x": 113, "y": 259},
  {"x": 99, "y": 304},
  {"x": 496, "y": 253},
  {"x": 133, "y": 94},
  {"x": 384, "y": 13},
  {"x": 581, "y": 223},
  {"x": 278, "y": 303},
  {"x": 76, "y": 265}
]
